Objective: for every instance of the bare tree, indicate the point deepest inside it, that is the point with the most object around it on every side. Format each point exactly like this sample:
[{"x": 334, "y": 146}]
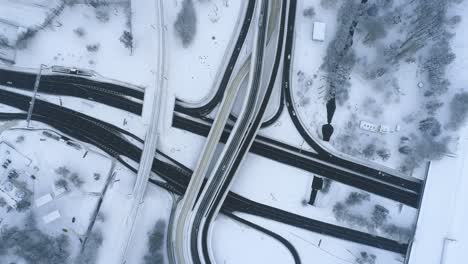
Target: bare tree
[
  {"x": 34, "y": 246},
  {"x": 127, "y": 39},
  {"x": 430, "y": 127}
]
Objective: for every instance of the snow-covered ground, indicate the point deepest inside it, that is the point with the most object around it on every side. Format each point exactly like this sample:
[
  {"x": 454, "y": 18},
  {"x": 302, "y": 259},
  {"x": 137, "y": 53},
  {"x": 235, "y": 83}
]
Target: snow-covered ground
[
  {"x": 116, "y": 206},
  {"x": 230, "y": 238},
  {"x": 71, "y": 188},
  {"x": 193, "y": 68},
  {"x": 65, "y": 42},
  {"x": 393, "y": 101},
  {"x": 87, "y": 37},
  {"x": 85, "y": 186},
  {"x": 30, "y": 13}
]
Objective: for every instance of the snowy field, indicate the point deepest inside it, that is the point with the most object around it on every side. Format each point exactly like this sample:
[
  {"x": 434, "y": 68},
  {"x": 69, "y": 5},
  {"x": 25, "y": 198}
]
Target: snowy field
[
  {"x": 83, "y": 216},
  {"x": 194, "y": 66},
  {"x": 401, "y": 97}
]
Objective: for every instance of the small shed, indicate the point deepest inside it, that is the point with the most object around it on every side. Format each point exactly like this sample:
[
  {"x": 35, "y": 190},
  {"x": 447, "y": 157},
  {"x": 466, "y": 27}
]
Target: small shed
[
  {"x": 43, "y": 200},
  {"x": 51, "y": 217},
  {"x": 319, "y": 31},
  {"x": 385, "y": 129}
]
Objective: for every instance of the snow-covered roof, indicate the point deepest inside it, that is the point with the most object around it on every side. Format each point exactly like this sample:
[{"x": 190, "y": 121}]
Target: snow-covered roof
[
  {"x": 45, "y": 199},
  {"x": 319, "y": 31},
  {"x": 368, "y": 126},
  {"x": 51, "y": 217}
]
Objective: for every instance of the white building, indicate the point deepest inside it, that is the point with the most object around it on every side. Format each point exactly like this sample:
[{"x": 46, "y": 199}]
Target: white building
[
  {"x": 50, "y": 217},
  {"x": 319, "y": 31},
  {"x": 43, "y": 200}
]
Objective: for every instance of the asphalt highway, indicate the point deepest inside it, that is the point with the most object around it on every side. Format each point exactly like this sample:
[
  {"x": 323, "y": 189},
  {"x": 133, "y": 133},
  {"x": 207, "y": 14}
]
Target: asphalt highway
[
  {"x": 150, "y": 143},
  {"x": 212, "y": 193},
  {"x": 177, "y": 177},
  {"x": 184, "y": 217},
  {"x": 219, "y": 183},
  {"x": 325, "y": 155},
  {"x": 202, "y": 111},
  {"x": 118, "y": 96},
  {"x": 311, "y": 162},
  {"x": 352, "y": 165}
]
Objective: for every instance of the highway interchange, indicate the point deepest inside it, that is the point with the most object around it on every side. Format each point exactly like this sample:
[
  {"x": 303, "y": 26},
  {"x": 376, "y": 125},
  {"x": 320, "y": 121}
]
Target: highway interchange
[
  {"x": 176, "y": 177},
  {"x": 205, "y": 194}
]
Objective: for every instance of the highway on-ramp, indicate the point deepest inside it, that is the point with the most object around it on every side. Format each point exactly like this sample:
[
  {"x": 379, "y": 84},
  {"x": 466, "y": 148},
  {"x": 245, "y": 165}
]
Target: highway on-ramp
[
  {"x": 246, "y": 127},
  {"x": 187, "y": 203}
]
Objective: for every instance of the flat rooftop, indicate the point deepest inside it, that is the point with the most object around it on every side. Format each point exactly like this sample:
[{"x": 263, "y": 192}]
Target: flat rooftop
[{"x": 441, "y": 233}]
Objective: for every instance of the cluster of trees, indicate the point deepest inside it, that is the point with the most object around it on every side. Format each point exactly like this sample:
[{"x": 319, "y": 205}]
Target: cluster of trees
[
  {"x": 127, "y": 39},
  {"x": 309, "y": 12},
  {"x": 79, "y": 31},
  {"x": 377, "y": 220},
  {"x": 340, "y": 57},
  {"x": 440, "y": 55},
  {"x": 375, "y": 21},
  {"x": 429, "y": 28},
  {"x": 357, "y": 198},
  {"x": 66, "y": 177},
  {"x": 419, "y": 149},
  {"x": 427, "y": 25},
  {"x": 186, "y": 23},
  {"x": 458, "y": 110},
  {"x": 102, "y": 13},
  {"x": 328, "y": 4},
  {"x": 426, "y": 34},
  {"x": 25, "y": 203},
  {"x": 156, "y": 243},
  {"x": 93, "y": 47},
  {"x": 366, "y": 258},
  {"x": 34, "y": 246},
  {"x": 96, "y": 3}
]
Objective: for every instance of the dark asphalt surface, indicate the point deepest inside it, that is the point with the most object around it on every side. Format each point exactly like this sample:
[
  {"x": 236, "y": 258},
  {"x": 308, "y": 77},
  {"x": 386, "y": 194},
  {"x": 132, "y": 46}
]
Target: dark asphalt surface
[
  {"x": 208, "y": 207},
  {"x": 310, "y": 162},
  {"x": 250, "y": 136},
  {"x": 206, "y": 109},
  {"x": 102, "y": 92},
  {"x": 104, "y": 136},
  {"x": 324, "y": 155}
]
